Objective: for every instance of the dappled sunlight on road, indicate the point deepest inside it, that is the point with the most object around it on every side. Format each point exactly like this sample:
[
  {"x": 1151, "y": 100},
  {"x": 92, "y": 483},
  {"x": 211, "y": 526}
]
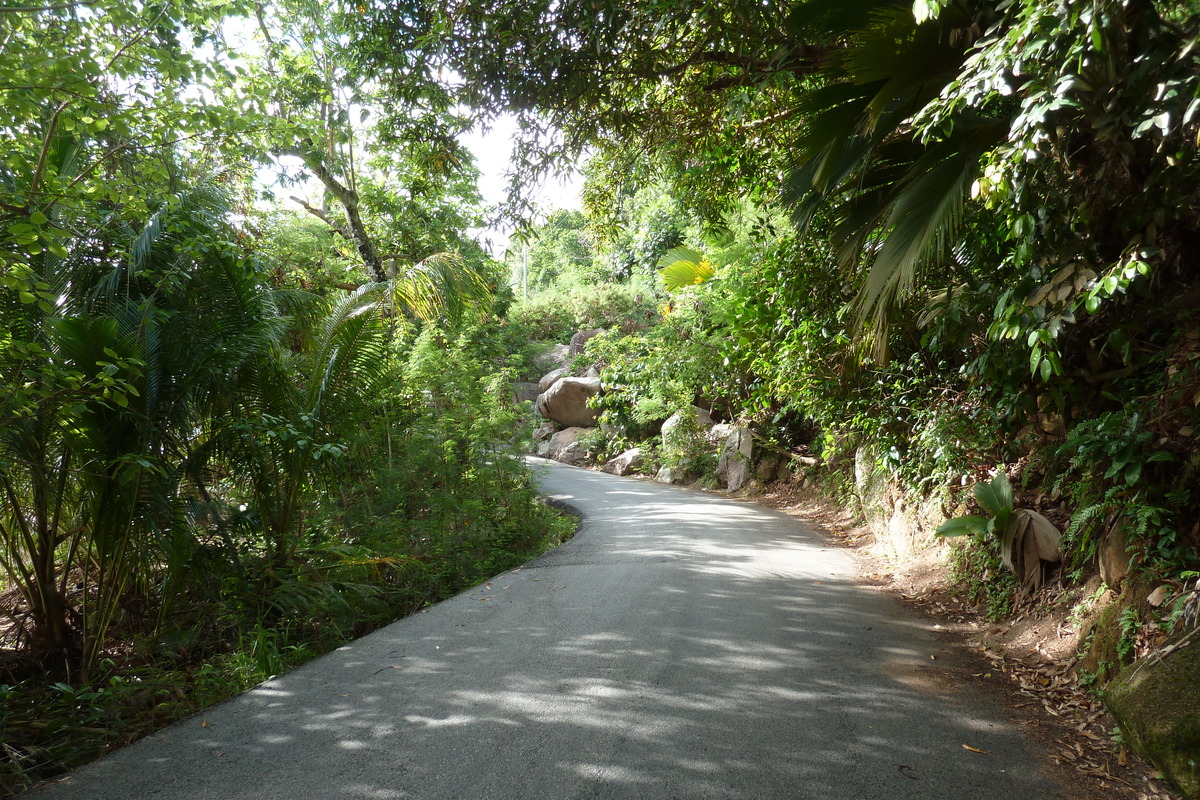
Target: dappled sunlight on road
[{"x": 681, "y": 645}]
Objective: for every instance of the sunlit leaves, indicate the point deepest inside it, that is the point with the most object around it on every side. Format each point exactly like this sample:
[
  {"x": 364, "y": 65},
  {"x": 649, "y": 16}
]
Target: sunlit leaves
[{"x": 684, "y": 266}]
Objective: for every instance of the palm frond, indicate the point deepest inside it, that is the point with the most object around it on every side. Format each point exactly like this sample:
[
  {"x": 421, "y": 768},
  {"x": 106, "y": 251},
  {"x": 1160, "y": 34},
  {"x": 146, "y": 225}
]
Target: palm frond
[
  {"x": 442, "y": 284},
  {"x": 683, "y": 266},
  {"x": 350, "y": 352}
]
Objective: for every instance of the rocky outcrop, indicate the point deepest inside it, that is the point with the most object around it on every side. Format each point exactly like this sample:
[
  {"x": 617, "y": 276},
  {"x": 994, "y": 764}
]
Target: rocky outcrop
[
  {"x": 769, "y": 469},
  {"x": 1155, "y": 701},
  {"x": 613, "y": 430},
  {"x": 733, "y": 466},
  {"x": 871, "y": 485},
  {"x": 550, "y": 378},
  {"x": 524, "y": 391},
  {"x": 565, "y": 447},
  {"x": 553, "y": 358},
  {"x": 718, "y": 433},
  {"x": 579, "y": 341},
  {"x": 673, "y": 430},
  {"x": 1113, "y": 555},
  {"x": 625, "y": 463},
  {"x": 544, "y": 431},
  {"x": 566, "y": 402}
]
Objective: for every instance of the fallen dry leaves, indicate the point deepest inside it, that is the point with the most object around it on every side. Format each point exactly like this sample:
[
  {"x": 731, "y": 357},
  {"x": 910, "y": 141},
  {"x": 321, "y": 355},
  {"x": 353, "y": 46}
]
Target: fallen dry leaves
[{"x": 1088, "y": 746}]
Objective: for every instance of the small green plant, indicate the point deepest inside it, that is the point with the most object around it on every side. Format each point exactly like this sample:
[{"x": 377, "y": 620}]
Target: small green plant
[
  {"x": 597, "y": 444},
  {"x": 1025, "y": 538},
  {"x": 1130, "y": 623},
  {"x": 994, "y": 497},
  {"x": 1086, "y": 604},
  {"x": 975, "y": 566}
]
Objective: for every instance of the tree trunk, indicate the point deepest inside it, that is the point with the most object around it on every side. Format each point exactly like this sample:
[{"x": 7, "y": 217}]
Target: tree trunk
[{"x": 348, "y": 198}]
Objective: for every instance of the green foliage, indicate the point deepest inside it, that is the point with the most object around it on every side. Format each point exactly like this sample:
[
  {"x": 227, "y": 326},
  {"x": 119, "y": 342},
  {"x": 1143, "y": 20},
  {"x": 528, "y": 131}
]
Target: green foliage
[
  {"x": 305, "y": 253},
  {"x": 1112, "y": 442},
  {"x": 1130, "y": 623},
  {"x": 685, "y": 449},
  {"x": 187, "y": 435},
  {"x": 1109, "y": 475},
  {"x": 693, "y": 80},
  {"x": 558, "y": 313},
  {"x": 447, "y": 501},
  {"x": 642, "y": 232},
  {"x": 559, "y": 252},
  {"x": 976, "y": 567},
  {"x": 996, "y": 498},
  {"x": 682, "y": 267},
  {"x": 405, "y": 496},
  {"x": 395, "y": 184},
  {"x": 651, "y": 375}
]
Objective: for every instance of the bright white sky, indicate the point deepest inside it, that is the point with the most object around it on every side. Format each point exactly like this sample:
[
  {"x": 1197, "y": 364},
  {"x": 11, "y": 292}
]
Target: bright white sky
[{"x": 493, "y": 156}]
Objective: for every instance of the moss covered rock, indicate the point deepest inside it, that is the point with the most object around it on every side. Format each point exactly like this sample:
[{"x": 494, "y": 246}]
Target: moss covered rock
[{"x": 1158, "y": 708}]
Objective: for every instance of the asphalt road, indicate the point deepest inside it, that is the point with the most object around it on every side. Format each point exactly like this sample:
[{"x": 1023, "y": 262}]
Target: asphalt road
[{"x": 680, "y": 646}]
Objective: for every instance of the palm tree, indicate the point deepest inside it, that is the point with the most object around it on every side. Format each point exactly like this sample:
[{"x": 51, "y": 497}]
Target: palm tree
[
  {"x": 893, "y": 201},
  {"x": 132, "y": 353}
]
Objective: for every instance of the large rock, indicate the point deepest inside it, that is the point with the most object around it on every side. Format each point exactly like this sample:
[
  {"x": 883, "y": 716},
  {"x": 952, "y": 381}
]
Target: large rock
[
  {"x": 733, "y": 467},
  {"x": 677, "y": 436},
  {"x": 718, "y": 433},
  {"x": 524, "y": 391},
  {"x": 614, "y": 430},
  {"x": 625, "y": 463},
  {"x": 553, "y": 358},
  {"x": 579, "y": 341},
  {"x": 666, "y": 475},
  {"x": 566, "y": 402},
  {"x": 544, "y": 431},
  {"x": 565, "y": 447},
  {"x": 1155, "y": 704},
  {"x": 550, "y": 378},
  {"x": 767, "y": 469}
]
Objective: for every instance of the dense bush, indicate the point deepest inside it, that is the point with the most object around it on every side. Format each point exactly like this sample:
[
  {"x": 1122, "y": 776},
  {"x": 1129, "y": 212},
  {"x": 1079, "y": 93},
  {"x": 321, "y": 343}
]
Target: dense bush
[
  {"x": 561, "y": 311},
  {"x": 239, "y": 477}
]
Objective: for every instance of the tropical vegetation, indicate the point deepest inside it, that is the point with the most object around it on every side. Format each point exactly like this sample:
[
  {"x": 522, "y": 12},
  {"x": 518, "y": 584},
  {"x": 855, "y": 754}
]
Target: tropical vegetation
[
  {"x": 255, "y": 384},
  {"x": 236, "y": 428}
]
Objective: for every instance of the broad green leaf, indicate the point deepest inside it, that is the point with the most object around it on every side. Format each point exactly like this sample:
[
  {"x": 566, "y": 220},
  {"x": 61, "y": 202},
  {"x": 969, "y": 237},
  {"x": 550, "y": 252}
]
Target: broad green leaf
[
  {"x": 1001, "y": 520},
  {"x": 962, "y": 526},
  {"x": 996, "y": 496}
]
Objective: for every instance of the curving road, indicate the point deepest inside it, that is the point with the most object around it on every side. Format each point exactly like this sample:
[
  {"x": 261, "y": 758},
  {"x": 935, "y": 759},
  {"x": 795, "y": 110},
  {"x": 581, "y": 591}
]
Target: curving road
[{"x": 680, "y": 646}]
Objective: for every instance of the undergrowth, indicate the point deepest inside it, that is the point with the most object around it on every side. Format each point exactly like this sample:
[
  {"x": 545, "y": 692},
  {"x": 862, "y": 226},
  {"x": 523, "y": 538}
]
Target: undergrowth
[{"x": 427, "y": 502}]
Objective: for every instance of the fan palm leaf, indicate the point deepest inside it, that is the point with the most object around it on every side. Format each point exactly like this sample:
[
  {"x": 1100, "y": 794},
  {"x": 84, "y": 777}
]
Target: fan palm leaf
[{"x": 683, "y": 266}]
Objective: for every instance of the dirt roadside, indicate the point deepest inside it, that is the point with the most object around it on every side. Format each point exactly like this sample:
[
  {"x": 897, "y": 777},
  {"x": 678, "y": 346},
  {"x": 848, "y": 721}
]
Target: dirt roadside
[{"x": 1028, "y": 662}]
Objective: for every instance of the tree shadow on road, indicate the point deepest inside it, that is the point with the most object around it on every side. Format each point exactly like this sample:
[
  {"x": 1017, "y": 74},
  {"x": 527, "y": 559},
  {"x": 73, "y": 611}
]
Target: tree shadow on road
[{"x": 682, "y": 645}]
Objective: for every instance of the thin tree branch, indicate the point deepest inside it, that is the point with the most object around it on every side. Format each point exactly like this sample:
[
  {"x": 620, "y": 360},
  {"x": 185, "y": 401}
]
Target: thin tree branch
[
  {"x": 137, "y": 37},
  {"x": 321, "y": 215},
  {"x": 41, "y": 164},
  {"x": 349, "y": 200}
]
